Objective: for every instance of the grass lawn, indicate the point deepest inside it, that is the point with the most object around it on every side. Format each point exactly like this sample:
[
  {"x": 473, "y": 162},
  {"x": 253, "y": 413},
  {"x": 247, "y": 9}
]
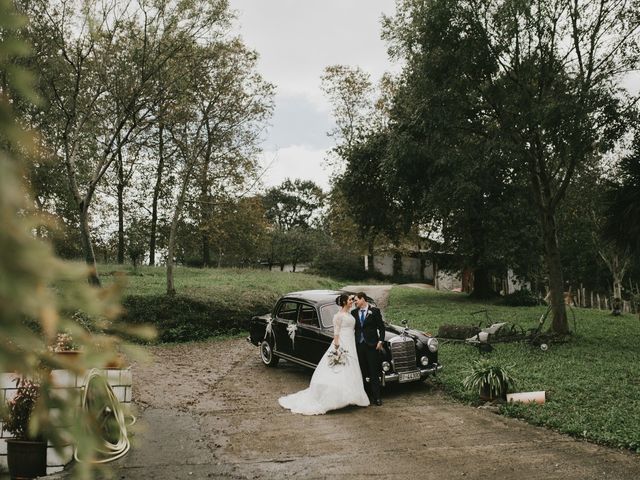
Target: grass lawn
[
  {"x": 207, "y": 283},
  {"x": 592, "y": 382}
]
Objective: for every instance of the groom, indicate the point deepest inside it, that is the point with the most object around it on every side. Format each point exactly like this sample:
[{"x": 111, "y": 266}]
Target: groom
[{"x": 369, "y": 331}]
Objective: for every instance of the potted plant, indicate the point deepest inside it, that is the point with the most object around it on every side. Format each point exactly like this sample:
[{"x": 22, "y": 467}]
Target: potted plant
[
  {"x": 64, "y": 345},
  {"x": 26, "y": 455},
  {"x": 490, "y": 380}
]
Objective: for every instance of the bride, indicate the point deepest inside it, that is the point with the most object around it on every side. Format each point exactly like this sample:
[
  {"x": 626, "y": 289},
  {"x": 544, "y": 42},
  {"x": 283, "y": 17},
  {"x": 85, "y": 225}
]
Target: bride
[{"x": 333, "y": 385}]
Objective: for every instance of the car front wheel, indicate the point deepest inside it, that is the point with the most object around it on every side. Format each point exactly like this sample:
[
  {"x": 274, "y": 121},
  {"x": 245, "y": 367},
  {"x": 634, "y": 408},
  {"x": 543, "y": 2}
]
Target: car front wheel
[{"x": 266, "y": 354}]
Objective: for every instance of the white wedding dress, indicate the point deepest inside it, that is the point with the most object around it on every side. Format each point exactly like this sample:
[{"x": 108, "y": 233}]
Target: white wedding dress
[{"x": 332, "y": 387}]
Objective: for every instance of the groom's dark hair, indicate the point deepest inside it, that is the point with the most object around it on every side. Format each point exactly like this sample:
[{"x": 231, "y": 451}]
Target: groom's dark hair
[{"x": 362, "y": 295}]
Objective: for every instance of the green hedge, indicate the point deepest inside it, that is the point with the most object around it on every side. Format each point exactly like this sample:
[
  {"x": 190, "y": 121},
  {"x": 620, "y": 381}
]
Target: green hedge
[{"x": 181, "y": 318}]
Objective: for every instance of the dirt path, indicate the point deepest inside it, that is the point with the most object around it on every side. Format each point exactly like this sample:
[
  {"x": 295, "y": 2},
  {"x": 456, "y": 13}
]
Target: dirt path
[{"x": 209, "y": 410}]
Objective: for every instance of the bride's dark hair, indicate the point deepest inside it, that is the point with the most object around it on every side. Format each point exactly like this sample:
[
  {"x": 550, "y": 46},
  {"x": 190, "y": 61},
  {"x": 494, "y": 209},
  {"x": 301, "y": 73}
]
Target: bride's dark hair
[{"x": 342, "y": 299}]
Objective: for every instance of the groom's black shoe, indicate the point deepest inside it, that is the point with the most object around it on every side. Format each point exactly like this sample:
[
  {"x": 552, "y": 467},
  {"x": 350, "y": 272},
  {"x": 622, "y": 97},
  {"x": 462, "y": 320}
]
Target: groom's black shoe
[{"x": 378, "y": 402}]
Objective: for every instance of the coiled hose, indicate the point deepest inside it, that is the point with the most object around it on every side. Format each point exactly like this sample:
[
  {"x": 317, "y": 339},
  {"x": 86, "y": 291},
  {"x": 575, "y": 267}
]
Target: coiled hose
[{"x": 99, "y": 400}]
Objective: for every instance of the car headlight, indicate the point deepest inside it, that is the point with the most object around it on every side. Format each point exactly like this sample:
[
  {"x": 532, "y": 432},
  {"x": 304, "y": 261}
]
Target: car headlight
[
  {"x": 432, "y": 343},
  {"x": 386, "y": 366},
  {"x": 424, "y": 361}
]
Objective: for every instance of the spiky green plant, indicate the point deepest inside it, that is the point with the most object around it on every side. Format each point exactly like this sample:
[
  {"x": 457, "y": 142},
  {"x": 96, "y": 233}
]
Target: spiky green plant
[{"x": 492, "y": 378}]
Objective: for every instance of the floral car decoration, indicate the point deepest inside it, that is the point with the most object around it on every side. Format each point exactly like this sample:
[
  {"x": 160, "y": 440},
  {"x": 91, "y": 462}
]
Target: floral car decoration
[{"x": 300, "y": 330}]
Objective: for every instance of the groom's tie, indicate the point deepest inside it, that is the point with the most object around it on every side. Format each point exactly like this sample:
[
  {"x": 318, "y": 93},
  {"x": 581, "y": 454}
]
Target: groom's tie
[{"x": 362, "y": 315}]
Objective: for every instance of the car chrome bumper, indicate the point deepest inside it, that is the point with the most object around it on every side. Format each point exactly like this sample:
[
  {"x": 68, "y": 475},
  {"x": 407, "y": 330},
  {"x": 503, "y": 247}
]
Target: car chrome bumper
[{"x": 424, "y": 373}]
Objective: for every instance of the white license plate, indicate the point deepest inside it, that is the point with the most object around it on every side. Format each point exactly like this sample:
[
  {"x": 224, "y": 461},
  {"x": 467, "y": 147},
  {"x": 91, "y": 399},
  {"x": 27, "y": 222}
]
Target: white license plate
[{"x": 409, "y": 377}]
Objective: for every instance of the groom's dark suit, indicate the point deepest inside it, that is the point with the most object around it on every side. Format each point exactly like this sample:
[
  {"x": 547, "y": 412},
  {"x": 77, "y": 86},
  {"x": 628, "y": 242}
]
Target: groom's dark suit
[{"x": 368, "y": 334}]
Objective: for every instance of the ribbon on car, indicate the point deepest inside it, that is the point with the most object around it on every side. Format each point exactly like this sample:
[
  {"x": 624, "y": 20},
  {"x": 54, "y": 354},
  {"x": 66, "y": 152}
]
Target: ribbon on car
[
  {"x": 269, "y": 328},
  {"x": 291, "y": 329}
]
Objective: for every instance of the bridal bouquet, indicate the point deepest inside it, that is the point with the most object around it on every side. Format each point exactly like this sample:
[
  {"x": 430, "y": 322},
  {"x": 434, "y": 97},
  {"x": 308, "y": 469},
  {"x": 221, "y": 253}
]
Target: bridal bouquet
[{"x": 337, "y": 357}]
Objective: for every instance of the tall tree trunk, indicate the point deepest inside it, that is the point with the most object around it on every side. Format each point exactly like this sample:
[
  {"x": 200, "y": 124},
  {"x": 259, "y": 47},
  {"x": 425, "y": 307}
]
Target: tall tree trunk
[
  {"x": 204, "y": 209},
  {"x": 206, "y": 251},
  {"x": 370, "y": 265},
  {"x": 177, "y": 213},
  {"x": 482, "y": 284},
  {"x": 397, "y": 263},
  {"x": 156, "y": 196},
  {"x": 40, "y": 228},
  {"x": 82, "y": 203},
  {"x": 171, "y": 248},
  {"x": 559, "y": 323},
  {"x": 120, "y": 188},
  {"x": 87, "y": 246}
]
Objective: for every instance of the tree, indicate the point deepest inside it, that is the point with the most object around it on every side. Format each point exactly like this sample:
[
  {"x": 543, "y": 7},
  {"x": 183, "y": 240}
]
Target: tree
[
  {"x": 446, "y": 163},
  {"x": 550, "y": 87},
  {"x": 350, "y": 92},
  {"x": 222, "y": 112},
  {"x": 235, "y": 232},
  {"x": 373, "y": 206},
  {"x": 361, "y": 114},
  {"x": 622, "y": 201},
  {"x": 135, "y": 241},
  {"x": 98, "y": 80},
  {"x": 293, "y": 209},
  {"x": 587, "y": 258},
  {"x": 32, "y": 312},
  {"x": 293, "y": 204}
]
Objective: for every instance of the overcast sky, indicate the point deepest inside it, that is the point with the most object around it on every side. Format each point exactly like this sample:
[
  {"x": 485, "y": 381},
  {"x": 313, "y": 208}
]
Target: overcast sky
[{"x": 296, "y": 40}]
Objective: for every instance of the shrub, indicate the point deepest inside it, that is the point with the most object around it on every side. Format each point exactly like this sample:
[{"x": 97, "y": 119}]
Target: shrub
[
  {"x": 338, "y": 263},
  {"x": 490, "y": 380},
  {"x": 181, "y": 318},
  {"x": 521, "y": 298},
  {"x": 20, "y": 407}
]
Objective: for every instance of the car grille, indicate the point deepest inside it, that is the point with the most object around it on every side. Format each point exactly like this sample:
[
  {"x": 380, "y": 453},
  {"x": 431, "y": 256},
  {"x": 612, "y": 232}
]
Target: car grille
[{"x": 403, "y": 354}]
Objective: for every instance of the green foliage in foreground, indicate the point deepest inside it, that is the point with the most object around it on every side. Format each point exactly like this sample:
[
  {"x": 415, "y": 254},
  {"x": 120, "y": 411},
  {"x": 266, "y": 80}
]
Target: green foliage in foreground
[
  {"x": 209, "y": 301},
  {"x": 592, "y": 382}
]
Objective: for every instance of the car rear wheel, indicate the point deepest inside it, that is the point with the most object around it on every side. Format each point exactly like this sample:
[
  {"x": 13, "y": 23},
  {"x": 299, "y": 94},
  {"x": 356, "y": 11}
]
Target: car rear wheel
[{"x": 266, "y": 354}]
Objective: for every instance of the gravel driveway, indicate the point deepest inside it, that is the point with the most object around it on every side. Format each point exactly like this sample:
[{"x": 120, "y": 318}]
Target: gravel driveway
[{"x": 209, "y": 410}]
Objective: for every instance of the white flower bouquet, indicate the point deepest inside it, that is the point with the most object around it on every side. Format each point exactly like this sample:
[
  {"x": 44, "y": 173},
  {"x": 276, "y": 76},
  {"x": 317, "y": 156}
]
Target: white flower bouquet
[{"x": 338, "y": 357}]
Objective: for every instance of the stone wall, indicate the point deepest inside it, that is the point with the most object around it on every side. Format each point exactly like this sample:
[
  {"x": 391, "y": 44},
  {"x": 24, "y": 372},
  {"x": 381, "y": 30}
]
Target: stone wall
[{"x": 119, "y": 379}]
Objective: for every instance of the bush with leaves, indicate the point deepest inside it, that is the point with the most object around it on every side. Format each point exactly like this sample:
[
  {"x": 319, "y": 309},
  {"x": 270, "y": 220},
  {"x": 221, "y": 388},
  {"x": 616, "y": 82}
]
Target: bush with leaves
[
  {"x": 19, "y": 409},
  {"x": 490, "y": 378},
  {"x": 521, "y": 298}
]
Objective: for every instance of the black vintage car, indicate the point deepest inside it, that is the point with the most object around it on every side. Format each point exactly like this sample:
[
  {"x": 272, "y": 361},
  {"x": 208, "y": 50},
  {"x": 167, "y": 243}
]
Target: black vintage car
[{"x": 300, "y": 329}]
